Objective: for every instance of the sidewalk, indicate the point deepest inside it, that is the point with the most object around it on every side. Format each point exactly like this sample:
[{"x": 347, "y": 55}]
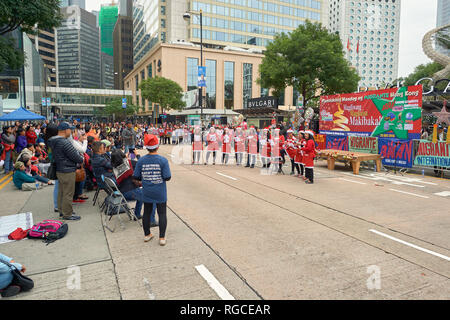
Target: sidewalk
[{"x": 115, "y": 265}]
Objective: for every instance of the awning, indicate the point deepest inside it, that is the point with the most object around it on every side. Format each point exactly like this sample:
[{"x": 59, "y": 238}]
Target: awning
[
  {"x": 263, "y": 112},
  {"x": 216, "y": 112}
]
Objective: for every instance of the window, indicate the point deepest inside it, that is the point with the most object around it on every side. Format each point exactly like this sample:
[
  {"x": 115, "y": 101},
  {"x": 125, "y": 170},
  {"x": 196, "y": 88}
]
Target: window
[
  {"x": 150, "y": 71},
  {"x": 229, "y": 84},
  {"x": 211, "y": 84},
  {"x": 192, "y": 73},
  {"x": 247, "y": 82}
]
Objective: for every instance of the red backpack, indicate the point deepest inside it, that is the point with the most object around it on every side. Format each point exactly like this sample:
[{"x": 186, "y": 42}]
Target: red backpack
[{"x": 48, "y": 230}]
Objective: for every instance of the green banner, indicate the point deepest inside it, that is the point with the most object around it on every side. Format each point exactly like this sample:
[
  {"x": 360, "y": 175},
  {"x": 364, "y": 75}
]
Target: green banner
[{"x": 433, "y": 154}]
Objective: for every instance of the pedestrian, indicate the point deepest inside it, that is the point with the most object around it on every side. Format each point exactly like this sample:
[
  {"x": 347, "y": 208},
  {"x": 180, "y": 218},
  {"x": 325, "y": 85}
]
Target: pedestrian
[
  {"x": 197, "y": 146},
  {"x": 153, "y": 172},
  {"x": 308, "y": 156},
  {"x": 252, "y": 147},
  {"x": 213, "y": 145},
  {"x": 67, "y": 158},
  {"x": 129, "y": 137},
  {"x": 8, "y": 140},
  {"x": 291, "y": 150}
]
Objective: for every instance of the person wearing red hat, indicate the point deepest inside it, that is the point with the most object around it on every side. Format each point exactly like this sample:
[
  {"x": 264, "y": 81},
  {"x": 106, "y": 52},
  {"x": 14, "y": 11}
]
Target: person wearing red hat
[
  {"x": 301, "y": 142},
  {"x": 291, "y": 149},
  {"x": 152, "y": 172},
  {"x": 226, "y": 145},
  {"x": 213, "y": 145},
  {"x": 197, "y": 145},
  {"x": 308, "y": 157},
  {"x": 239, "y": 145},
  {"x": 265, "y": 148},
  {"x": 252, "y": 147}
]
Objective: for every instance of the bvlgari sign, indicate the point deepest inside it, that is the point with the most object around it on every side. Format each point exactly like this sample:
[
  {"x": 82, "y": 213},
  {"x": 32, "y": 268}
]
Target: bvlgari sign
[{"x": 263, "y": 102}]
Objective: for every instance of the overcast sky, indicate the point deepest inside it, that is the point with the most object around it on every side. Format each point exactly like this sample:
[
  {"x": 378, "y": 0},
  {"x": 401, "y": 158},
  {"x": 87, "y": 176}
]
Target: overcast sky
[{"x": 417, "y": 18}]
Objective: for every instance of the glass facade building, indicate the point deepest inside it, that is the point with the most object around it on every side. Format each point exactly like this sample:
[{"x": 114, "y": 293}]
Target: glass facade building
[
  {"x": 443, "y": 18},
  {"x": 211, "y": 69},
  {"x": 250, "y": 23},
  {"x": 229, "y": 84},
  {"x": 78, "y": 50},
  {"x": 146, "y": 22}
]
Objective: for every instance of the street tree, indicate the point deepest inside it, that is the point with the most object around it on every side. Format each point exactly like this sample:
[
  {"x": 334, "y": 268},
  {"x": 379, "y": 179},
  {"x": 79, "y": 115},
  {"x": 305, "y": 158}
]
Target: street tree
[
  {"x": 310, "y": 59},
  {"x": 27, "y": 16},
  {"x": 114, "y": 107},
  {"x": 164, "y": 92}
]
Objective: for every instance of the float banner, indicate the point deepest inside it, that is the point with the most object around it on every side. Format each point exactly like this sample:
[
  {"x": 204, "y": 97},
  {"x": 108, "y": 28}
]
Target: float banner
[
  {"x": 395, "y": 152},
  {"x": 363, "y": 144},
  {"x": 337, "y": 142},
  {"x": 433, "y": 154},
  {"x": 388, "y": 113},
  {"x": 321, "y": 142}
]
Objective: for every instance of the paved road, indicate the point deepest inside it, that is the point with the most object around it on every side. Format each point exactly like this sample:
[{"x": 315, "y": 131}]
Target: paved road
[
  {"x": 260, "y": 236},
  {"x": 296, "y": 241}
]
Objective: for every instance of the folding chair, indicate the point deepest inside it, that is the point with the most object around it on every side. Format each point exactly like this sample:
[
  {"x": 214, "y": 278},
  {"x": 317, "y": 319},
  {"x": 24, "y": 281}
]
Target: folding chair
[
  {"x": 101, "y": 186},
  {"x": 117, "y": 202}
]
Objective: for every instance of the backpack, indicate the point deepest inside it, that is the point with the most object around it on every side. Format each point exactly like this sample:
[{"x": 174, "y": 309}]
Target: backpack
[
  {"x": 48, "y": 230},
  {"x": 112, "y": 203}
]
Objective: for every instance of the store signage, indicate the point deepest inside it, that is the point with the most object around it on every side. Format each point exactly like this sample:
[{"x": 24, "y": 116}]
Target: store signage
[{"x": 263, "y": 102}]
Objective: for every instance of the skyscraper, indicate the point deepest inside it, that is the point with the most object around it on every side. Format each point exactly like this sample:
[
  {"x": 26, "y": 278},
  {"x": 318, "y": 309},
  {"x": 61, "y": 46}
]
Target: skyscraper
[
  {"x": 68, "y": 3},
  {"x": 123, "y": 43},
  {"x": 369, "y": 31},
  {"x": 107, "y": 20},
  {"x": 44, "y": 43},
  {"x": 78, "y": 49},
  {"x": 241, "y": 23},
  {"x": 443, "y": 18}
]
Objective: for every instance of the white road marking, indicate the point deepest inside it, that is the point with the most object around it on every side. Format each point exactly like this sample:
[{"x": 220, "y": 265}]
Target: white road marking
[
  {"x": 214, "y": 283},
  {"x": 224, "y": 175},
  {"x": 410, "y": 245},
  {"x": 381, "y": 178},
  {"x": 412, "y": 194},
  {"x": 443, "y": 194},
  {"x": 352, "y": 181}
]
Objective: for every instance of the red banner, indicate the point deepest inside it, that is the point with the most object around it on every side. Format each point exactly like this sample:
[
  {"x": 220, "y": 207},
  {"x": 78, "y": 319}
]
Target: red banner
[
  {"x": 389, "y": 113},
  {"x": 321, "y": 141}
]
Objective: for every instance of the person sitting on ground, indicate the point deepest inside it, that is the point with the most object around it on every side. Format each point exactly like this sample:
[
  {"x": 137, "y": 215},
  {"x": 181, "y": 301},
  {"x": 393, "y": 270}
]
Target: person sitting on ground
[
  {"x": 7, "y": 286},
  {"x": 22, "y": 180},
  {"x": 28, "y": 152},
  {"x": 101, "y": 165}
]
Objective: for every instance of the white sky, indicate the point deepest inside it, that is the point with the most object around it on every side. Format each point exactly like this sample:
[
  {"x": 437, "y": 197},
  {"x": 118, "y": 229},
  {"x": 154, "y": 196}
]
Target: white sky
[{"x": 417, "y": 18}]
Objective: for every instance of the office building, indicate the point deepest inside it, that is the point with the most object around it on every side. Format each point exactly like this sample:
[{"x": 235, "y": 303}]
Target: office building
[
  {"x": 107, "y": 20},
  {"x": 68, "y": 3},
  {"x": 369, "y": 31},
  {"x": 107, "y": 71},
  {"x": 45, "y": 44},
  {"x": 242, "y": 23},
  {"x": 443, "y": 18},
  {"x": 123, "y": 43},
  {"x": 78, "y": 49}
]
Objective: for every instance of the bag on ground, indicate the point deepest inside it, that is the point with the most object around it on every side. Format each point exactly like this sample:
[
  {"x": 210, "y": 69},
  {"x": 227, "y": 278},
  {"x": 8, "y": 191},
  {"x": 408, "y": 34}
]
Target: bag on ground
[{"x": 48, "y": 230}]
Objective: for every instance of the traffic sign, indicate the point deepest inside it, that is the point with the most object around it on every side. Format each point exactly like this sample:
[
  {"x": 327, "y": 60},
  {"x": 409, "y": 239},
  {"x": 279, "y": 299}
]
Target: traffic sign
[
  {"x": 48, "y": 102},
  {"x": 44, "y": 103},
  {"x": 124, "y": 103}
]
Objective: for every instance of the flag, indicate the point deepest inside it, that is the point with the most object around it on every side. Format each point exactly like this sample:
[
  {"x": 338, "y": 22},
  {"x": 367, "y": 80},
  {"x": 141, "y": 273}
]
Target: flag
[
  {"x": 357, "y": 47},
  {"x": 348, "y": 45}
]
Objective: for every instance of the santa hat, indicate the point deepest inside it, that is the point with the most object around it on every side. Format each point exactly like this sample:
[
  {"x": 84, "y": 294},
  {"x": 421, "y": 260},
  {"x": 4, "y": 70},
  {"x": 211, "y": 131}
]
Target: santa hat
[
  {"x": 290, "y": 131},
  {"x": 151, "y": 142},
  {"x": 34, "y": 159},
  {"x": 266, "y": 129},
  {"x": 310, "y": 133}
]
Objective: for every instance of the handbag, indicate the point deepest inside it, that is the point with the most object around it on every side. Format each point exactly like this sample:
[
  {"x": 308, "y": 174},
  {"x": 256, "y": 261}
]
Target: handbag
[
  {"x": 19, "y": 279},
  {"x": 80, "y": 175}
]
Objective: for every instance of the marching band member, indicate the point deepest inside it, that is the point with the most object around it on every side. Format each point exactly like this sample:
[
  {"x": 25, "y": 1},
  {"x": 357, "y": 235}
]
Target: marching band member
[
  {"x": 226, "y": 145},
  {"x": 239, "y": 145},
  {"x": 252, "y": 147},
  {"x": 197, "y": 145},
  {"x": 291, "y": 149},
  {"x": 299, "y": 154},
  {"x": 308, "y": 156},
  {"x": 213, "y": 144},
  {"x": 264, "y": 148}
]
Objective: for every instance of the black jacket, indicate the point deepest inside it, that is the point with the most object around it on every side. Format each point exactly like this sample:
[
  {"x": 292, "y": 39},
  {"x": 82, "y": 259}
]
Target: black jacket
[
  {"x": 101, "y": 166},
  {"x": 65, "y": 155}
]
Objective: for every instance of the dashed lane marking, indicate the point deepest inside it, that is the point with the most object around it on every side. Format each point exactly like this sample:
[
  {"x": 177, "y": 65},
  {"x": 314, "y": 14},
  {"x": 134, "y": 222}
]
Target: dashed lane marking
[
  {"x": 214, "y": 283},
  {"x": 5, "y": 183},
  {"x": 443, "y": 194},
  {"x": 410, "y": 245},
  {"x": 412, "y": 194},
  {"x": 224, "y": 175}
]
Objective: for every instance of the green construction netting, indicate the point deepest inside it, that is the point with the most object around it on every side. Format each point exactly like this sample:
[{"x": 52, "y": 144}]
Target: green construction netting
[{"x": 107, "y": 20}]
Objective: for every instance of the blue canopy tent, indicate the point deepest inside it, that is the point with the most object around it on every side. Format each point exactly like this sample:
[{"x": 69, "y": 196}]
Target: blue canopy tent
[{"x": 21, "y": 114}]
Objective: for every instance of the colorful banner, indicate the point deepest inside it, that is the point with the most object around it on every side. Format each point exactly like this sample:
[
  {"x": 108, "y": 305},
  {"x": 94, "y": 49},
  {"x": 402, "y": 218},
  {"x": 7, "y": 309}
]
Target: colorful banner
[
  {"x": 363, "y": 144},
  {"x": 431, "y": 154},
  {"x": 388, "y": 113},
  {"x": 337, "y": 142},
  {"x": 395, "y": 152},
  {"x": 321, "y": 141}
]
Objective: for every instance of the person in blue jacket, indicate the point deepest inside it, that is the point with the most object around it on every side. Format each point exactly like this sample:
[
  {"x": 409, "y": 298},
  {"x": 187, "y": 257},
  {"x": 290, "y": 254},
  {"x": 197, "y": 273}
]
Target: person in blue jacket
[
  {"x": 152, "y": 171},
  {"x": 7, "y": 288}
]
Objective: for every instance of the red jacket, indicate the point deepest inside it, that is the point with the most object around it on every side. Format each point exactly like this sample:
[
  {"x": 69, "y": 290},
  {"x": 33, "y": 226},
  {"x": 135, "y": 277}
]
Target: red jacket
[
  {"x": 31, "y": 137},
  {"x": 309, "y": 152}
]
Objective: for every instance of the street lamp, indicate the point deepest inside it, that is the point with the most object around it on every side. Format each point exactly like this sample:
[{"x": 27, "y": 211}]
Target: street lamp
[{"x": 187, "y": 17}]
